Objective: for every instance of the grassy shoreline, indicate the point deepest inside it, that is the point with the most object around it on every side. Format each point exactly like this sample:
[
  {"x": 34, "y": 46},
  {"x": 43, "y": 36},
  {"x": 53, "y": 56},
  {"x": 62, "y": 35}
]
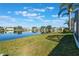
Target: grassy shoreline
[
  {"x": 10, "y": 47},
  {"x": 37, "y": 45}
]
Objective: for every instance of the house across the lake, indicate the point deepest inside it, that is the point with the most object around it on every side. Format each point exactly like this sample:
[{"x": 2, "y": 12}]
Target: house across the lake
[{"x": 9, "y": 29}]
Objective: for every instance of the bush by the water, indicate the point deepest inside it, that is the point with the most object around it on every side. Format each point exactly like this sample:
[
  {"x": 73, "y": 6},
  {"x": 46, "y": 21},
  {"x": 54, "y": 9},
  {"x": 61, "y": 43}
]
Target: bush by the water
[{"x": 66, "y": 30}]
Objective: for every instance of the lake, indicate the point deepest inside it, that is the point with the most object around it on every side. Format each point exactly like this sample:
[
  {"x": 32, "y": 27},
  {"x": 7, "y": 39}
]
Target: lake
[{"x": 13, "y": 36}]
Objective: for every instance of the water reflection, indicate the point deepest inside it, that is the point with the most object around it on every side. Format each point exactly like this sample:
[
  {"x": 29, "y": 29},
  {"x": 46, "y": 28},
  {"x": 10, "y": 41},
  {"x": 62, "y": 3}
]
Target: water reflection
[
  {"x": 2, "y": 32},
  {"x": 12, "y": 35},
  {"x": 15, "y": 32}
]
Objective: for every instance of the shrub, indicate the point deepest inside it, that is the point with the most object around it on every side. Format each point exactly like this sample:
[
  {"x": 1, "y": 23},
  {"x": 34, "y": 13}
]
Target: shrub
[{"x": 66, "y": 30}]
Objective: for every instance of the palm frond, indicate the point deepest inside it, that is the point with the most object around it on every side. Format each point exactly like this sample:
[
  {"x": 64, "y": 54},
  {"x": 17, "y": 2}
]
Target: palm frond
[
  {"x": 70, "y": 5},
  {"x": 64, "y": 5},
  {"x": 65, "y": 14},
  {"x": 76, "y": 4},
  {"x": 75, "y": 7},
  {"x": 61, "y": 11}
]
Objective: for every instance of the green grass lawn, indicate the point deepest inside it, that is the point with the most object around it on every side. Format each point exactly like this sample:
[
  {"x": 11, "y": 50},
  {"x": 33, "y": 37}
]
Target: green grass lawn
[{"x": 40, "y": 45}]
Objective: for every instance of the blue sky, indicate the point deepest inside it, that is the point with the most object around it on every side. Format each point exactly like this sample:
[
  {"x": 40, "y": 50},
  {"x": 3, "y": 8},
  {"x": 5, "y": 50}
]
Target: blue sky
[{"x": 31, "y": 14}]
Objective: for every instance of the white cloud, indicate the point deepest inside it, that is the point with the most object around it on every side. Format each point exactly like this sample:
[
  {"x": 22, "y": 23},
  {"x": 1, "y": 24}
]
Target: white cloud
[
  {"x": 54, "y": 20},
  {"x": 38, "y": 17},
  {"x": 34, "y": 17},
  {"x": 46, "y": 21},
  {"x": 50, "y": 8},
  {"x": 25, "y": 13},
  {"x": 20, "y": 12},
  {"x": 59, "y": 18},
  {"x": 39, "y": 10},
  {"x": 62, "y": 18},
  {"x": 25, "y": 7},
  {"x": 55, "y": 15},
  {"x": 9, "y": 12},
  {"x": 31, "y": 14},
  {"x": 7, "y": 18},
  {"x": 30, "y": 20},
  {"x": 35, "y": 9},
  {"x": 17, "y": 12},
  {"x": 4, "y": 17}
]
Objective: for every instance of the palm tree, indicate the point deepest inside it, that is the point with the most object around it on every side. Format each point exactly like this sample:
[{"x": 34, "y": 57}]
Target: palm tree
[{"x": 70, "y": 8}]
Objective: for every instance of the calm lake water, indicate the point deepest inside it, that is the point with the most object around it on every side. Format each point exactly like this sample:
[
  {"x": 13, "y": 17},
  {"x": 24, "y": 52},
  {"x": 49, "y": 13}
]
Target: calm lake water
[{"x": 13, "y": 36}]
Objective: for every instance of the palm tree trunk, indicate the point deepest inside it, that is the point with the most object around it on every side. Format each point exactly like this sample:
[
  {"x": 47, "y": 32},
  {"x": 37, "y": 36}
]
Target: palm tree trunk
[{"x": 70, "y": 21}]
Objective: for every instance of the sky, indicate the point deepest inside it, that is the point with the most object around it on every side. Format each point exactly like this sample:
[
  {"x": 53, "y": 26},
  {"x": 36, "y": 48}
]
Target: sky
[{"x": 31, "y": 14}]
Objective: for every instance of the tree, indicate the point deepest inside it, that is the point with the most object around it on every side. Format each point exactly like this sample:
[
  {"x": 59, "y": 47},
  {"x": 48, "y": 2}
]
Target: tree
[
  {"x": 48, "y": 28},
  {"x": 43, "y": 29},
  {"x": 2, "y": 30},
  {"x": 34, "y": 29},
  {"x": 69, "y": 8},
  {"x": 18, "y": 29}
]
